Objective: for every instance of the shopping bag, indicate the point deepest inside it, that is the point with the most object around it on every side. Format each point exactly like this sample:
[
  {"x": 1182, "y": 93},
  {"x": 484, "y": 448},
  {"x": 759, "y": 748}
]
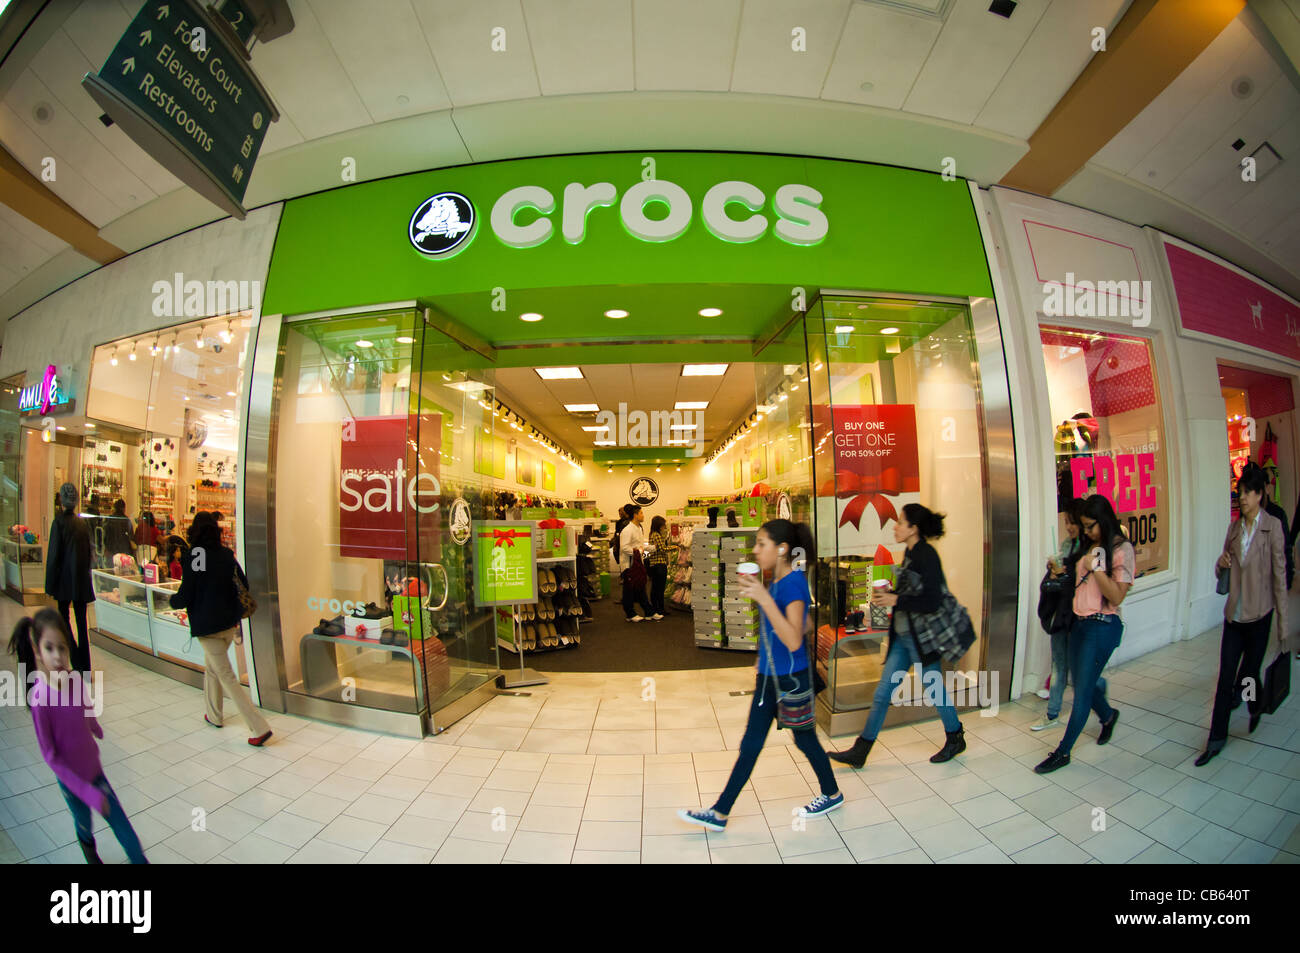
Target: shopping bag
[{"x": 1277, "y": 683}]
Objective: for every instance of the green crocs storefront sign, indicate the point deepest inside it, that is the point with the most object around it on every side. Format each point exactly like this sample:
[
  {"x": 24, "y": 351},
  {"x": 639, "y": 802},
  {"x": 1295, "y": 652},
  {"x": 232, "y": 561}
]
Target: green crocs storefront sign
[{"x": 499, "y": 230}]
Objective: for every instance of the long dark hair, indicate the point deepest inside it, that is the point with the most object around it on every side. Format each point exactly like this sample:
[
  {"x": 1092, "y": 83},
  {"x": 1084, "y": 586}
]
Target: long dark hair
[
  {"x": 929, "y": 524},
  {"x": 204, "y": 531},
  {"x": 657, "y": 524},
  {"x": 22, "y": 643},
  {"x": 1098, "y": 509},
  {"x": 792, "y": 536}
]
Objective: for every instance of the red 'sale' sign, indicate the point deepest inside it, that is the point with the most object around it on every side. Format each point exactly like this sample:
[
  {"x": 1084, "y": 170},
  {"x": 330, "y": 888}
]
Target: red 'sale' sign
[{"x": 383, "y": 491}]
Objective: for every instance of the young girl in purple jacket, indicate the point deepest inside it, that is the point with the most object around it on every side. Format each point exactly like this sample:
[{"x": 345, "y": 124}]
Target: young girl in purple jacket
[{"x": 66, "y": 731}]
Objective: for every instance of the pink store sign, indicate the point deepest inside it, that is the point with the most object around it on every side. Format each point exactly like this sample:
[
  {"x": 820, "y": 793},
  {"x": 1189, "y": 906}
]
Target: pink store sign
[{"x": 1216, "y": 300}]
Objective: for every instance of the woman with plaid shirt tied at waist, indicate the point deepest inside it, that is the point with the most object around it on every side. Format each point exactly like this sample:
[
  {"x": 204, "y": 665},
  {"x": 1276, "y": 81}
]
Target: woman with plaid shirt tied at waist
[{"x": 656, "y": 565}]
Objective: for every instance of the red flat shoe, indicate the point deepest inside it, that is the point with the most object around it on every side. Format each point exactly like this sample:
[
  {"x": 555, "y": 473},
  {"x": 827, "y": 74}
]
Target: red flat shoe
[
  {"x": 211, "y": 722},
  {"x": 259, "y": 740}
]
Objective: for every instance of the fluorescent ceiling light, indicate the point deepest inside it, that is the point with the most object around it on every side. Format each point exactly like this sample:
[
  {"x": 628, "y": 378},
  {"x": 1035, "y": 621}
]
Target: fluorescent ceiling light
[
  {"x": 559, "y": 373},
  {"x": 365, "y": 343},
  {"x": 473, "y": 388},
  {"x": 710, "y": 312},
  {"x": 530, "y": 316},
  {"x": 405, "y": 339},
  {"x": 691, "y": 405},
  {"x": 704, "y": 370},
  {"x": 582, "y": 408},
  {"x": 889, "y": 330},
  {"x": 684, "y": 427},
  {"x": 616, "y": 313},
  {"x": 843, "y": 329},
  {"x": 595, "y": 429}
]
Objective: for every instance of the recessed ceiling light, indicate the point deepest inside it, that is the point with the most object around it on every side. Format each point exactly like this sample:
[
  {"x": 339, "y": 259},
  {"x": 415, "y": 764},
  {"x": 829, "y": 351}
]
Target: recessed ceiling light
[
  {"x": 867, "y": 87},
  {"x": 704, "y": 370},
  {"x": 365, "y": 343},
  {"x": 559, "y": 373},
  {"x": 889, "y": 330},
  {"x": 691, "y": 405},
  {"x": 582, "y": 408},
  {"x": 710, "y": 312},
  {"x": 615, "y": 313},
  {"x": 405, "y": 339},
  {"x": 594, "y": 429},
  {"x": 530, "y": 316},
  {"x": 843, "y": 329}
]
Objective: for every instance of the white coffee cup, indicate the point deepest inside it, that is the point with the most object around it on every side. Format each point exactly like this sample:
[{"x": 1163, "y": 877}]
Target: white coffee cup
[
  {"x": 881, "y": 584},
  {"x": 747, "y": 569}
]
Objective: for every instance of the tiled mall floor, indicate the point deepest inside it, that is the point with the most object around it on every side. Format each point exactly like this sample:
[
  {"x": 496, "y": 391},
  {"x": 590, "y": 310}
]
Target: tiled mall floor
[{"x": 585, "y": 771}]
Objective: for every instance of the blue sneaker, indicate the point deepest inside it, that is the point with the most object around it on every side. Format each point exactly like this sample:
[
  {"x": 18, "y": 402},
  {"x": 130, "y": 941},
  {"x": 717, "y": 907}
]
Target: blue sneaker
[
  {"x": 705, "y": 818},
  {"x": 821, "y": 804}
]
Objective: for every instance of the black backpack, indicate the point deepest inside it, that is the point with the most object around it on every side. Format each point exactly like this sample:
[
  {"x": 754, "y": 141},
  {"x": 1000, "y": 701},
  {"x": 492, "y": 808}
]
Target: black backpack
[{"x": 1056, "y": 599}]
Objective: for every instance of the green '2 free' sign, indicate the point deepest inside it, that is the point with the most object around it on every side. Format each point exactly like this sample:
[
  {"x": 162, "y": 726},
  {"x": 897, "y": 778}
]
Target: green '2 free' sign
[{"x": 505, "y": 563}]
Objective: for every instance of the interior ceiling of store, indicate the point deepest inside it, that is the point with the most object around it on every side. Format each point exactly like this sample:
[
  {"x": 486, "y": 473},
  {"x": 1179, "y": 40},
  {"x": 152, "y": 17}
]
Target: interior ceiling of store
[
  {"x": 407, "y": 85},
  {"x": 645, "y": 387}
]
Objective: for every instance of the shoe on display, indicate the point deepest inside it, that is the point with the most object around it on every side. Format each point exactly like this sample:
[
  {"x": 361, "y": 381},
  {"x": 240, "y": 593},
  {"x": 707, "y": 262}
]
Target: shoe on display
[
  {"x": 822, "y": 804},
  {"x": 401, "y": 640},
  {"x": 705, "y": 818},
  {"x": 386, "y": 637},
  {"x": 849, "y": 627},
  {"x": 1045, "y": 724}
]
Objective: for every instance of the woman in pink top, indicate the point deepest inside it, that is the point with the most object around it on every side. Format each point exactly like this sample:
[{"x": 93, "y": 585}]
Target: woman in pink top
[
  {"x": 66, "y": 731},
  {"x": 1103, "y": 576}
]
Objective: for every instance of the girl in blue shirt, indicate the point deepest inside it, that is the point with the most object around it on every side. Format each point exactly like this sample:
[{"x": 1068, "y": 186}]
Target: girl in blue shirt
[{"x": 784, "y": 606}]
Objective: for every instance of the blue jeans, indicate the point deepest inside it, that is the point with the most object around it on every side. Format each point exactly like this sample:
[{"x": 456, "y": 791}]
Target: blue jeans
[
  {"x": 1060, "y": 672},
  {"x": 903, "y": 654},
  {"x": 1091, "y": 643},
  {"x": 117, "y": 821},
  {"x": 762, "y": 711}
]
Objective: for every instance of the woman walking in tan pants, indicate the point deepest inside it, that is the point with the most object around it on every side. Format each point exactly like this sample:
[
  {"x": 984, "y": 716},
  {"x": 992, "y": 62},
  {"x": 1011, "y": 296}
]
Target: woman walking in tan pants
[{"x": 208, "y": 592}]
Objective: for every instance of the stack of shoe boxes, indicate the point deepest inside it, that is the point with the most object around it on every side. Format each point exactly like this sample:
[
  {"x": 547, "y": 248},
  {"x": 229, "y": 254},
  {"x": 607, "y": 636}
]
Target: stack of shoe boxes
[
  {"x": 740, "y": 615},
  {"x": 706, "y": 589},
  {"x": 856, "y": 573}
]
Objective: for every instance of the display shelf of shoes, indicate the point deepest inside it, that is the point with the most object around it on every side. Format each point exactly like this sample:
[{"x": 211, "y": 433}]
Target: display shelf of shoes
[{"x": 740, "y": 620}]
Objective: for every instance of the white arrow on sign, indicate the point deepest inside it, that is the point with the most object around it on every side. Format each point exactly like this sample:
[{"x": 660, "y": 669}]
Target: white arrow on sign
[
  {"x": 128, "y": 64},
  {"x": 146, "y": 37},
  {"x": 163, "y": 11}
]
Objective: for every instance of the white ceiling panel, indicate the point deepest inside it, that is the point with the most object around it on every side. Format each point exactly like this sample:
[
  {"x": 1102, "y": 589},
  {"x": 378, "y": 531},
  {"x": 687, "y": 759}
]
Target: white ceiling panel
[
  {"x": 1266, "y": 202},
  {"x": 685, "y": 44},
  {"x": 766, "y": 58},
  {"x": 461, "y": 37},
  {"x": 1057, "y": 52},
  {"x": 96, "y": 26},
  {"x": 973, "y": 53},
  {"x": 32, "y": 233},
  {"x": 1207, "y": 125},
  {"x": 71, "y": 142},
  {"x": 20, "y": 254},
  {"x": 307, "y": 80},
  {"x": 382, "y": 47},
  {"x": 883, "y": 47},
  {"x": 281, "y": 134},
  {"x": 60, "y": 66},
  {"x": 1125, "y": 152},
  {"x": 581, "y": 46},
  {"x": 70, "y": 185}
]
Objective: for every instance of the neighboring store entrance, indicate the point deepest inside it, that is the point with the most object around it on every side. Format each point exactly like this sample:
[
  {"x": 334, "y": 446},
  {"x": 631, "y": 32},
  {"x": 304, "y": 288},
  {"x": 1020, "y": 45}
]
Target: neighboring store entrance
[{"x": 1260, "y": 412}]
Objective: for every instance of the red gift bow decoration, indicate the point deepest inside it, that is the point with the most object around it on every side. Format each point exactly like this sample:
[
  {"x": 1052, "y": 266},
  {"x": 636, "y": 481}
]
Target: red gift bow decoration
[
  {"x": 883, "y": 557},
  {"x": 507, "y": 536},
  {"x": 869, "y": 490}
]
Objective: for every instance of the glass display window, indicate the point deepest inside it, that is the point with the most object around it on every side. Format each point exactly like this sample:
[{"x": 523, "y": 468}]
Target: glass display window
[
  {"x": 1259, "y": 412},
  {"x": 1109, "y": 434}
]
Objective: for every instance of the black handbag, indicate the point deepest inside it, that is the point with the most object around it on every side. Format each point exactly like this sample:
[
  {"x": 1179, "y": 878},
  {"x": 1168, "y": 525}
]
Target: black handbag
[
  {"x": 1277, "y": 683},
  {"x": 1224, "y": 582}
]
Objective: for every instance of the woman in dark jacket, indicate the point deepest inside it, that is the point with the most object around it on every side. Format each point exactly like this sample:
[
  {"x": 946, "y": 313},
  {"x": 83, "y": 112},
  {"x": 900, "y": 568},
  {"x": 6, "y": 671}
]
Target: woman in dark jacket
[
  {"x": 116, "y": 532},
  {"x": 67, "y": 571},
  {"x": 915, "y": 527},
  {"x": 208, "y": 592}
]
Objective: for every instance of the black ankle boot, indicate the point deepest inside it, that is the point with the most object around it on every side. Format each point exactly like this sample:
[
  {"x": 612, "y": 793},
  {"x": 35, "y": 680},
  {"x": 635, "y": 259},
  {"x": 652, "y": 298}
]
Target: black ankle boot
[
  {"x": 954, "y": 746},
  {"x": 92, "y": 856},
  {"x": 856, "y": 756}
]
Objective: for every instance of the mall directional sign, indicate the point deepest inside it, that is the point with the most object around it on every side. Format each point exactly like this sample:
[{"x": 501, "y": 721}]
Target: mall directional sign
[{"x": 175, "y": 85}]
